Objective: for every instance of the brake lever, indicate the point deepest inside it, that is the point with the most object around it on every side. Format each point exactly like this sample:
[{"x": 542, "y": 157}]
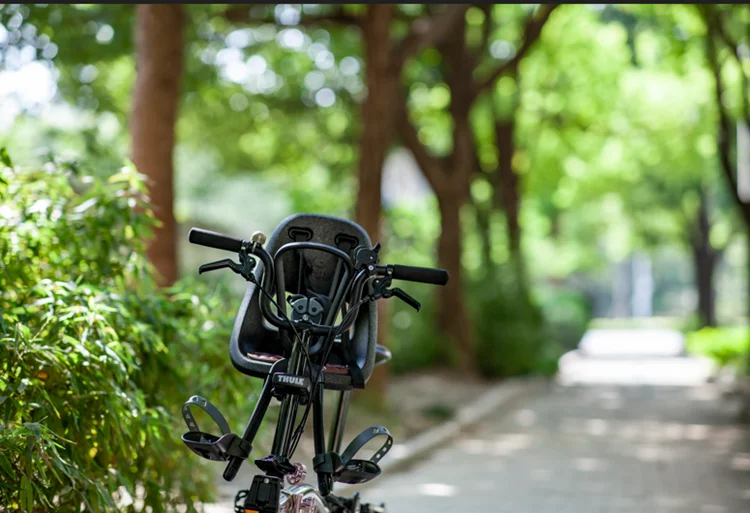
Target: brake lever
[
  {"x": 219, "y": 264},
  {"x": 244, "y": 268},
  {"x": 381, "y": 290},
  {"x": 406, "y": 298}
]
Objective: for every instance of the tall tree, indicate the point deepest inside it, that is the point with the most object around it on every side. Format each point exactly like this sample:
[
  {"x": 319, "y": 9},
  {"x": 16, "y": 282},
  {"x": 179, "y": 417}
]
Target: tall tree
[
  {"x": 384, "y": 64},
  {"x": 385, "y": 56},
  {"x": 719, "y": 38},
  {"x": 705, "y": 258},
  {"x": 450, "y": 176},
  {"x": 726, "y": 30},
  {"x": 159, "y": 60}
]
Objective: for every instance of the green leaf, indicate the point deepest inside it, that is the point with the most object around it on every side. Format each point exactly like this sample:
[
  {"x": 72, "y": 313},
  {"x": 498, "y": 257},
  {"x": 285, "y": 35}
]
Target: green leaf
[
  {"x": 34, "y": 428},
  {"x": 5, "y": 466},
  {"x": 5, "y": 158},
  {"x": 24, "y": 331},
  {"x": 27, "y": 494}
]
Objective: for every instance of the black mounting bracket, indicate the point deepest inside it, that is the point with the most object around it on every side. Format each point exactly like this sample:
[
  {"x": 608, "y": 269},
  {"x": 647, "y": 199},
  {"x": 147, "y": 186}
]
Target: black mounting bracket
[{"x": 264, "y": 494}]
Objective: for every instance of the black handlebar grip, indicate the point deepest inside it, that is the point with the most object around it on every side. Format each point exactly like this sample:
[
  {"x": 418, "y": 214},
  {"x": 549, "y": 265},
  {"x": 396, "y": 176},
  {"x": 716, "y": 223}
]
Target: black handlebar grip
[
  {"x": 420, "y": 274},
  {"x": 233, "y": 466},
  {"x": 214, "y": 240}
]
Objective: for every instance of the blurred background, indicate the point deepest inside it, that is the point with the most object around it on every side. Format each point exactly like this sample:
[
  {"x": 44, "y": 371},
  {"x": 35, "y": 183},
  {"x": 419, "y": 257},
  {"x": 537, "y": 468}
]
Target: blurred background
[{"x": 574, "y": 167}]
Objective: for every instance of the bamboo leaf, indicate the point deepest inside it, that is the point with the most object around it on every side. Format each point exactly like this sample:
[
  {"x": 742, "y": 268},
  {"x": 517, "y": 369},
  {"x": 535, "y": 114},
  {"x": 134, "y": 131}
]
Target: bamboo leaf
[{"x": 5, "y": 158}]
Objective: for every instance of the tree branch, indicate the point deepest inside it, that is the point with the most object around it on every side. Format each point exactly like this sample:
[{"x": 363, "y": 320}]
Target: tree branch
[
  {"x": 486, "y": 30},
  {"x": 431, "y": 167},
  {"x": 400, "y": 15},
  {"x": 241, "y": 14},
  {"x": 734, "y": 45},
  {"x": 428, "y": 31},
  {"x": 531, "y": 33},
  {"x": 722, "y": 137}
]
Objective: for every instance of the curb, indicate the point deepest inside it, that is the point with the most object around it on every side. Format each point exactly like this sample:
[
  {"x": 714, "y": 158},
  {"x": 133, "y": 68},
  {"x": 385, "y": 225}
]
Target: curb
[{"x": 401, "y": 456}]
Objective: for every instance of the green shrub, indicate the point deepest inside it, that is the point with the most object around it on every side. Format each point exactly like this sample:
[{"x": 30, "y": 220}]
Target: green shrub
[
  {"x": 509, "y": 329},
  {"x": 409, "y": 239},
  {"x": 413, "y": 339},
  {"x": 567, "y": 314},
  {"x": 726, "y": 346},
  {"x": 512, "y": 338},
  {"x": 95, "y": 360}
]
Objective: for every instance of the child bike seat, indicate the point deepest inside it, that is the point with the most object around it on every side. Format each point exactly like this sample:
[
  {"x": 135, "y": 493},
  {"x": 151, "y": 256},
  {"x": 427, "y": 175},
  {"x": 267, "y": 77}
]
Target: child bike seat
[{"x": 255, "y": 345}]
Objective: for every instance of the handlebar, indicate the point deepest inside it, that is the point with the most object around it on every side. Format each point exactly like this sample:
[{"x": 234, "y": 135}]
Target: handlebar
[
  {"x": 420, "y": 274},
  {"x": 272, "y": 283},
  {"x": 214, "y": 240}
]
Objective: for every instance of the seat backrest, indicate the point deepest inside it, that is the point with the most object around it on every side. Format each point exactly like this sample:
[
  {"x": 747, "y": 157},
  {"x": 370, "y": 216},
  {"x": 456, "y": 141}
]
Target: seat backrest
[{"x": 252, "y": 334}]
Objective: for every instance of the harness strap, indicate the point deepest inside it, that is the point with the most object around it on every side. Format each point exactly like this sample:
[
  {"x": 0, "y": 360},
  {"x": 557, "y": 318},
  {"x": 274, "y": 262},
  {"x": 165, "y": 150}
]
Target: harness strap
[
  {"x": 358, "y": 379},
  {"x": 209, "y": 408},
  {"x": 365, "y": 436}
]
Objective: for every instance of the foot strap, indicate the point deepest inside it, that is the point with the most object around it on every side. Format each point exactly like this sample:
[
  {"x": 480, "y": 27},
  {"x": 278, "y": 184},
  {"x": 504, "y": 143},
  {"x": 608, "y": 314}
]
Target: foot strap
[
  {"x": 209, "y": 408},
  {"x": 365, "y": 436}
]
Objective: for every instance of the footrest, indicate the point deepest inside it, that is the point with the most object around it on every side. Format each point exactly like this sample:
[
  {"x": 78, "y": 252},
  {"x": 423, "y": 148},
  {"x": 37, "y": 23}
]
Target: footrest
[
  {"x": 357, "y": 471},
  {"x": 345, "y": 469},
  {"x": 217, "y": 448},
  {"x": 212, "y": 447}
]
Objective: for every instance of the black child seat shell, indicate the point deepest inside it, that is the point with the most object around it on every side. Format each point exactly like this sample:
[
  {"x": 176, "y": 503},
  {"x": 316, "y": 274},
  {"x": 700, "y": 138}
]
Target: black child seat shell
[{"x": 255, "y": 345}]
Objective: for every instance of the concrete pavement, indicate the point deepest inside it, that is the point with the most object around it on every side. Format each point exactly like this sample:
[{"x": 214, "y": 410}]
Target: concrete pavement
[{"x": 588, "y": 449}]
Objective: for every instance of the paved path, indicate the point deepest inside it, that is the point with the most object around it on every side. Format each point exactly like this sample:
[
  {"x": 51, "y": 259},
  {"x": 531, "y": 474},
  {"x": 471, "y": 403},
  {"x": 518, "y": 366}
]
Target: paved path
[
  {"x": 588, "y": 449},
  {"x": 623, "y": 431}
]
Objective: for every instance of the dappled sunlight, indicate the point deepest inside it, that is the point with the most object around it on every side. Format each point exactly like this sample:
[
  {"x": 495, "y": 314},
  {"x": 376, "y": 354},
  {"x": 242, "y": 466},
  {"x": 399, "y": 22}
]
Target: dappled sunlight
[
  {"x": 741, "y": 462},
  {"x": 713, "y": 508},
  {"x": 589, "y": 464},
  {"x": 597, "y": 427},
  {"x": 526, "y": 417},
  {"x": 510, "y": 444},
  {"x": 500, "y": 446},
  {"x": 437, "y": 489},
  {"x": 652, "y": 453},
  {"x": 671, "y": 503}
]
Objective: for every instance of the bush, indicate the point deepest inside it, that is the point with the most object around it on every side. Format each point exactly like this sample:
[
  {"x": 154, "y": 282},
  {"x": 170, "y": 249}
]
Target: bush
[
  {"x": 726, "y": 346},
  {"x": 414, "y": 338},
  {"x": 95, "y": 360},
  {"x": 511, "y": 336},
  {"x": 567, "y": 314}
]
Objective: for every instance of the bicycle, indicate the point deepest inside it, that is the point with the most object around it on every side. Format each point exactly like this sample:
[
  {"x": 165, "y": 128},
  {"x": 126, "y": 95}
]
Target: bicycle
[{"x": 326, "y": 270}]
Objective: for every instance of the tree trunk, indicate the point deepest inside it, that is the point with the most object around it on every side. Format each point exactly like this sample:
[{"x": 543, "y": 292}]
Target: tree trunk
[
  {"x": 705, "y": 258},
  {"x": 159, "y": 61},
  {"x": 484, "y": 227},
  {"x": 453, "y": 319},
  {"x": 705, "y": 264},
  {"x": 509, "y": 195},
  {"x": 453, "y": 315},
  {"x": 378, "y": 118}
]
